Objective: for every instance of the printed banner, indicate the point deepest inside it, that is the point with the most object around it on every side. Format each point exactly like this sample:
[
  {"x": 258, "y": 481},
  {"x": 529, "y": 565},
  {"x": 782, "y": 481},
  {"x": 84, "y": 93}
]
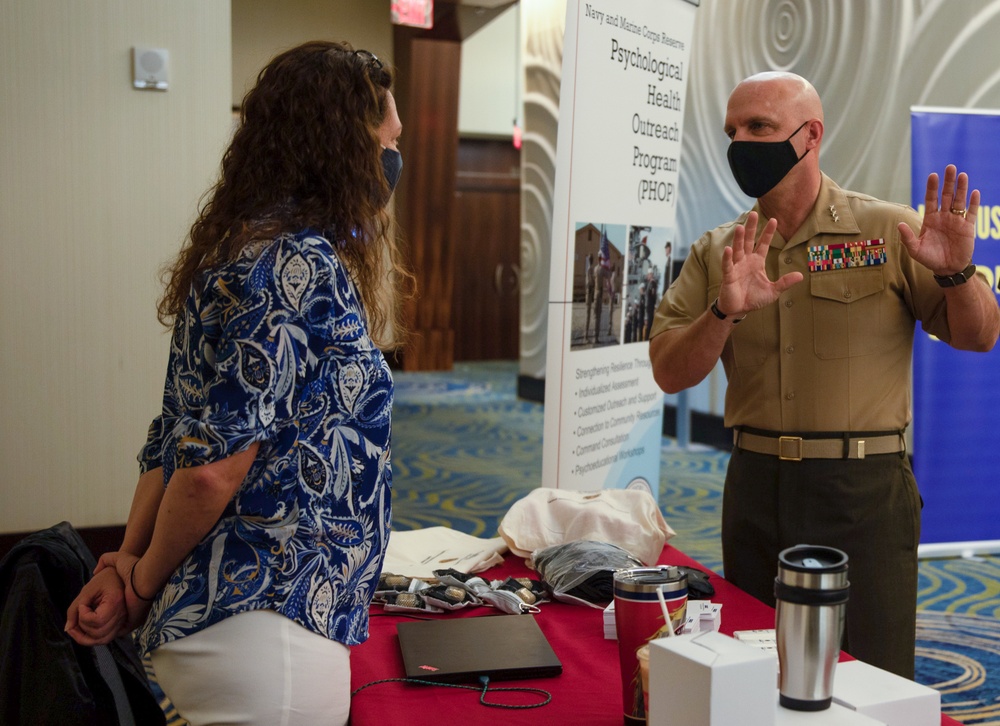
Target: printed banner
[
  {"x": 621, "y": 115},
  {"x": 956, "y": 394}
]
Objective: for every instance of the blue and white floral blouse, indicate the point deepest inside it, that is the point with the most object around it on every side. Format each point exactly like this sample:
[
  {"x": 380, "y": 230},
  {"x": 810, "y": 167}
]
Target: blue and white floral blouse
[{"x": 274, "y": 348}]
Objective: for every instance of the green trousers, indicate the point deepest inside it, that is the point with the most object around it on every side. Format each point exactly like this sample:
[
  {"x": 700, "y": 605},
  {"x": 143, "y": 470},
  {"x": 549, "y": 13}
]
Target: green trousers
[{"x": 869, "y": 508}]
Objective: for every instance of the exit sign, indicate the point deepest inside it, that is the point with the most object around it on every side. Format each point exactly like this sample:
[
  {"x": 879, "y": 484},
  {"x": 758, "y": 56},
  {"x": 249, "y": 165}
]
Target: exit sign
[{"x": 418, "y": 13}]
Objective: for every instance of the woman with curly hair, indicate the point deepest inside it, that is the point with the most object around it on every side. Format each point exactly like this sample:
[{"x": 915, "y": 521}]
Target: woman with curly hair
[{"x": 261, "y": 515}]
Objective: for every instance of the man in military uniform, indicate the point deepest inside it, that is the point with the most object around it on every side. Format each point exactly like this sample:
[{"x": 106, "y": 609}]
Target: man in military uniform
[
  {"x": 652, "y": 289},
  {"x": 588, "y": 277},
  {"x": 813, "y": 316},
  {"x": 602, "y": 273}
]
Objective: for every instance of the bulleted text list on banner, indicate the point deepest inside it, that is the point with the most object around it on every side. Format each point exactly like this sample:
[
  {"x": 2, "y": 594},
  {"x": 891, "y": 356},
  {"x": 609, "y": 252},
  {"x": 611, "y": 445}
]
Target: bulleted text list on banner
[{"x": 621, "y": 114}]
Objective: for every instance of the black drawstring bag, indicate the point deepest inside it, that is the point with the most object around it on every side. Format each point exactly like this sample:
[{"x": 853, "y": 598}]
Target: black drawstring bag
[{"x": 583, "y": 571}]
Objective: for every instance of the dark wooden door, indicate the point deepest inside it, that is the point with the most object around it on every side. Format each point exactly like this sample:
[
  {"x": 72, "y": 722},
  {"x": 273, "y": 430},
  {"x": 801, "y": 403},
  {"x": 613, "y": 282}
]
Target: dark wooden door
[{"x": 486, "y": 248}]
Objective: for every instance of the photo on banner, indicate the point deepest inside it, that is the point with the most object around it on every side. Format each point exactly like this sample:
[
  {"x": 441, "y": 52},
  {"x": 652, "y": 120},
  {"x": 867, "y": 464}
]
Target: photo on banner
[
  {"x": 649, "y": 275},
  {"x": 955, "y": 394},
  {"x": 597, "y": 290},
  {"x": 621, "y": 115}
]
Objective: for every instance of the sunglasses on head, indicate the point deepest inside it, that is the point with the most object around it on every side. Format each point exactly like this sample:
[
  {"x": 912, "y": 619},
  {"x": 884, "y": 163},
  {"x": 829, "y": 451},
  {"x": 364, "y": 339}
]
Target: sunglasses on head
[{"x": 370, "y": 59}]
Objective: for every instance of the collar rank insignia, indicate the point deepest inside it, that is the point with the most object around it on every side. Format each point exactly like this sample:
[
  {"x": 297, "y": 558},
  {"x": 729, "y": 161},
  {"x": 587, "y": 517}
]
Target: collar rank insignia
[{"x": 863, "y": 253}]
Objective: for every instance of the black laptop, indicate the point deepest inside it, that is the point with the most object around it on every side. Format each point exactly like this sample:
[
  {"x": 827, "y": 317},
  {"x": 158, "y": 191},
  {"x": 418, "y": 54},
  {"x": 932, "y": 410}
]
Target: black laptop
[{"x": 502, "y": 647}]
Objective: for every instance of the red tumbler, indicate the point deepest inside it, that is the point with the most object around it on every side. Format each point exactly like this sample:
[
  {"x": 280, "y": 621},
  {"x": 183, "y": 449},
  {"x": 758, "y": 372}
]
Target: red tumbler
[{"x": 639, "y": 619}]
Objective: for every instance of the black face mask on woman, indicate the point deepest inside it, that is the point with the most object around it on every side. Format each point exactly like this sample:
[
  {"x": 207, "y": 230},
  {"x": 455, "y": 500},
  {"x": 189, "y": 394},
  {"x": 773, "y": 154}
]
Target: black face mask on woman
[
  {"x": 392, "y": 167},
  {"x": 758, "y": 166}
]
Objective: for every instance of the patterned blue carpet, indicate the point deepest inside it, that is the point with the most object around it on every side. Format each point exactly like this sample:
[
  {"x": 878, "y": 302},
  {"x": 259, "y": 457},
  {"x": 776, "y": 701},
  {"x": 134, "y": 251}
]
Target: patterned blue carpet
[{"x": 465, "y": 448}]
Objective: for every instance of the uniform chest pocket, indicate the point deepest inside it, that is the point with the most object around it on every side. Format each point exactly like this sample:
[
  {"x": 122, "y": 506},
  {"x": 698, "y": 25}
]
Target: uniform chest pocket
[{"x": 847, "y": 312}]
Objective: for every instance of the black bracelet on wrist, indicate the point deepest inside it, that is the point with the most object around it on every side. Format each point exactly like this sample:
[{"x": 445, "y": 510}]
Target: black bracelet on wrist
[
  {"x": 959, "y": 278},
  {"x": 721, "y": 315},
  {"x": 131, "y": 582}
]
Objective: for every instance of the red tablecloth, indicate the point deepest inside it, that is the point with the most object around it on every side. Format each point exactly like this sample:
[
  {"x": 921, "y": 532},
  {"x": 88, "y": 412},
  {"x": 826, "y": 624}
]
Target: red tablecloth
[{"x": 587, "y": 693}]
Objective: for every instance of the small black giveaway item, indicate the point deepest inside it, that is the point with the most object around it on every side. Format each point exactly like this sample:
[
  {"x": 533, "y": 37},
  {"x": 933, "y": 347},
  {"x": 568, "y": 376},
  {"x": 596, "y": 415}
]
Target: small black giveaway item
[
  {"x": 582, "y": 570},
  {"x": 699, "y": 588}
]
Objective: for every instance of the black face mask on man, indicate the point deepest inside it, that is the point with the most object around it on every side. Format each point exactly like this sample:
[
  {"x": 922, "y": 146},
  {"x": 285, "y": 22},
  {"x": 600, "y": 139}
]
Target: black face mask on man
[
  {"x": 758, "y": 166},
  {"x": 392, "y": 167}
]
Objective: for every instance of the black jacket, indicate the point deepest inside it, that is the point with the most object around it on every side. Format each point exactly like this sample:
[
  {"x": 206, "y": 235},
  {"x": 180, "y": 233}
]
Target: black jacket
[{"x": 45, "y": 676}]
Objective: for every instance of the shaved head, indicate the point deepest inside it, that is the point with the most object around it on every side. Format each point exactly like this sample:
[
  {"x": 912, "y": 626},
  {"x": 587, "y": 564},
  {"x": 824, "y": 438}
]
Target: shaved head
[
  {"x": 789, "y": 91},
  {"x": 770, "y": 106}
]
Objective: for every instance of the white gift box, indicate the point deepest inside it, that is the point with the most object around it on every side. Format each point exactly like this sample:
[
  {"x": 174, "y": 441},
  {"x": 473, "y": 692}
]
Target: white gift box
[
  {"x": 892, "y": 699},
  {"x": 710, "y": 679},
  {"x": 836, "y": 715}
]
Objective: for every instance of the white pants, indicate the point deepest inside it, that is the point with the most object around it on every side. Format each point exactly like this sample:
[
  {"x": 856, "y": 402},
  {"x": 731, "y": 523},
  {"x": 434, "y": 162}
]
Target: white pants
[{"x": 256, "y": 668}]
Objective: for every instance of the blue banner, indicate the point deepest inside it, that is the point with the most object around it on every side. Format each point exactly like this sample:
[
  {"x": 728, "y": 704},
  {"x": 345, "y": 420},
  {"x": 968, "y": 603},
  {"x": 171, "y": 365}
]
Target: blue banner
[{"x": 956, "y": 395}]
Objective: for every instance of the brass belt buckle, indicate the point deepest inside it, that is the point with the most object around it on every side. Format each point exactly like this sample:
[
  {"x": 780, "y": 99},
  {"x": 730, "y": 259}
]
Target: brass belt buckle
[{"x": 788, "y": 440}]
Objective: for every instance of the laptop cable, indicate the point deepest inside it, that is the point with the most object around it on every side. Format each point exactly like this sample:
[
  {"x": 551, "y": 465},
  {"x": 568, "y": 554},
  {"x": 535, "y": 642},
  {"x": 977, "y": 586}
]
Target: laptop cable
[{"x": 483, "y": 680}]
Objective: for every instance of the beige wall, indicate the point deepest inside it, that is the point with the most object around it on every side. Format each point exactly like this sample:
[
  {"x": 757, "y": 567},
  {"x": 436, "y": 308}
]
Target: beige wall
[
  {"x": 98, "y": 184},
  {"x": 264, "y": 28}
]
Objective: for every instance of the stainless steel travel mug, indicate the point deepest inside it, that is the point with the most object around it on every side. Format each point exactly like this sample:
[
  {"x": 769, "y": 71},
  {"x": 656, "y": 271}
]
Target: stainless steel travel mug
[
  {"x": 811, "y": 591},
  {"x": 639, "y": 619}
]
